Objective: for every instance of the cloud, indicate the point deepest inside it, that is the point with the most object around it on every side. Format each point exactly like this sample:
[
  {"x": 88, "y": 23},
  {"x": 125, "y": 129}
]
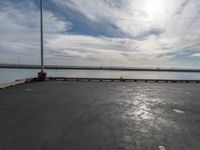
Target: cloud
[
  {"x": 156, "y": 30},
  {"x": 196, "y": 55},
  {"x": 145, "y": 33},
  {"x": 182, "y": 7},
  {"x": 20, "y": 31}
]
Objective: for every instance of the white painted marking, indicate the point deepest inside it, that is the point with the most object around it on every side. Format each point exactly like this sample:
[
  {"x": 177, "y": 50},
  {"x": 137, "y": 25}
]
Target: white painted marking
[
  {"x": 179, "y": 111},
  {"x": 162, "y": 148}
]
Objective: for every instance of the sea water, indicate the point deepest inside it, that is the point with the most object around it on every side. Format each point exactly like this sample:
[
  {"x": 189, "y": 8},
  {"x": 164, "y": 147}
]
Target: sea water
[{"x": 8, "y": 75}]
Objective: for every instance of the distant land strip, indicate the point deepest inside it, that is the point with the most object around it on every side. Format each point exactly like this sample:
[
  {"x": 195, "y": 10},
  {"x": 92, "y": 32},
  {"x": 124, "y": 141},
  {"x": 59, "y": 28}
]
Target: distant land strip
[{"x": 24, "y": 66}]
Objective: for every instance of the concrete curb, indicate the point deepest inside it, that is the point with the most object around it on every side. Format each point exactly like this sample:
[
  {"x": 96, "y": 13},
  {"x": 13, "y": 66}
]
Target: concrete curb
[
  {"x": 28, "y": 80},
  {"x": 17, "y": 82}
]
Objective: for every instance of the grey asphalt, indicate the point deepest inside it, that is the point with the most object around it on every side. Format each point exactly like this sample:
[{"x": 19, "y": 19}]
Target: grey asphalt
[{"x": 58, "y": 115}]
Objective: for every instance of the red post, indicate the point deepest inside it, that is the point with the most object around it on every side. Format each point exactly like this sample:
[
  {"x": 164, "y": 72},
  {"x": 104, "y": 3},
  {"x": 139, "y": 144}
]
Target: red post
[{"x": 42, "y": 76}]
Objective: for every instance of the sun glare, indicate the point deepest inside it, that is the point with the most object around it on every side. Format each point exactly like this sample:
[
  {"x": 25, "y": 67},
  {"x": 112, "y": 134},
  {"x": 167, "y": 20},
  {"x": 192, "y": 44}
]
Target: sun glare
[{"x": 154, "y": 7}]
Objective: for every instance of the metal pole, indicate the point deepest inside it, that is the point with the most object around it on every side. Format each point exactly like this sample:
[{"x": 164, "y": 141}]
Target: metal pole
[{"x": 41, "y": 35}]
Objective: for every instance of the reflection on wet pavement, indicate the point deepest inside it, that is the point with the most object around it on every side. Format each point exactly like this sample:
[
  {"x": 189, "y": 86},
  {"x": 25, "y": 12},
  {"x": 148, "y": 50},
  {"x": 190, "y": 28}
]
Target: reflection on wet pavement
[{"x": 149, "y": 115}]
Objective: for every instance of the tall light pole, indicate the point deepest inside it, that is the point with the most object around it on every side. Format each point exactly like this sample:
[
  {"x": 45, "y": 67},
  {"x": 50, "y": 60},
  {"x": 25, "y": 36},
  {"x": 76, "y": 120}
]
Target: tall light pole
[
  {"x": 41, "y": 36},
  {"x": 41, "y": 75}
]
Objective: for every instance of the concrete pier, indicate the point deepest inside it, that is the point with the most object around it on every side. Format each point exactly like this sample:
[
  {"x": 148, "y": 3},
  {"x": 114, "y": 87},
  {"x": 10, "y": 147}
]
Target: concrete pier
[{"x": 71, "y": 115}]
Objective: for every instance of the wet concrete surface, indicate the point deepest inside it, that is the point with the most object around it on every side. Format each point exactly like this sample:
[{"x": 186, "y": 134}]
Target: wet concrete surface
[{"x": 57, "y": 115}]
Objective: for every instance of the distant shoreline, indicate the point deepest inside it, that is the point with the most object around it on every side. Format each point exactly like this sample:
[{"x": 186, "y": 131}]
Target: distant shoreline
[{"x": 26, "y": 66}]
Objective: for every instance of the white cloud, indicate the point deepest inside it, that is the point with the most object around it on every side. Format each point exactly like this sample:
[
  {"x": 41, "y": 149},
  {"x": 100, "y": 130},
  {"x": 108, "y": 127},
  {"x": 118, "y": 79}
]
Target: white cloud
[
  {"x": 195, "y": 55},
  {"x": 118, "y": 51},
  {"x": 135, "y": 17},
  {"x": 154, "y": 29},
  {"x": 19, "y": 31}
]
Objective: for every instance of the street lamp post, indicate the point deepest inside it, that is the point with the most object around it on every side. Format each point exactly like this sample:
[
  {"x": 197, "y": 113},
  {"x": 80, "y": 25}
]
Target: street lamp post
[
  {"x": 41, "y": 75},
  {"x": 41, "y": 36}
]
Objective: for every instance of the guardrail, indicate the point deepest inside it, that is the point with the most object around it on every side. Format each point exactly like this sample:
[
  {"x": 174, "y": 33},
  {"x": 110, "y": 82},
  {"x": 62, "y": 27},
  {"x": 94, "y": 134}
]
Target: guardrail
[
  {"x": 122, "y": 80},
  {"x": 76, "y": 79}
]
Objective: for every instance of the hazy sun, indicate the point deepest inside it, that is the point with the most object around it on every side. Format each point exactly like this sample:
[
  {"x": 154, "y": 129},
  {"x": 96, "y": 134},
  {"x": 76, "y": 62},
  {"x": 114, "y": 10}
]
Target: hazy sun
[{"x": 154, "y": 8}]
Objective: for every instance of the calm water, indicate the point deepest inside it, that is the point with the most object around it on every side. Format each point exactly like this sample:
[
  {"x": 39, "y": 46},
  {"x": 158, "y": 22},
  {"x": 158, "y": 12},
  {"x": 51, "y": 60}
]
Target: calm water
[{"x": 7, "y": 75}]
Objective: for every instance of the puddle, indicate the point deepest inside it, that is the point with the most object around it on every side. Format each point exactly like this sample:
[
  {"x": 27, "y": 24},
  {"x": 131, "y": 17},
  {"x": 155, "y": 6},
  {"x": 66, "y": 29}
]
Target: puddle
[
  {"x": 162, "y": 148},
  {"x": 179, "y": 111}
]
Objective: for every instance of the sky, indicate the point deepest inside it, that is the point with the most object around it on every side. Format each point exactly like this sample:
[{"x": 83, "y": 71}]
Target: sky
[{"x": 128, "y": 33}]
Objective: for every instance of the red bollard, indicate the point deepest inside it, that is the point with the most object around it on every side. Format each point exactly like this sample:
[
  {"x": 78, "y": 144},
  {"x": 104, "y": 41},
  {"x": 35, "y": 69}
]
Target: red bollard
[{"x": 42, "y": 76}]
